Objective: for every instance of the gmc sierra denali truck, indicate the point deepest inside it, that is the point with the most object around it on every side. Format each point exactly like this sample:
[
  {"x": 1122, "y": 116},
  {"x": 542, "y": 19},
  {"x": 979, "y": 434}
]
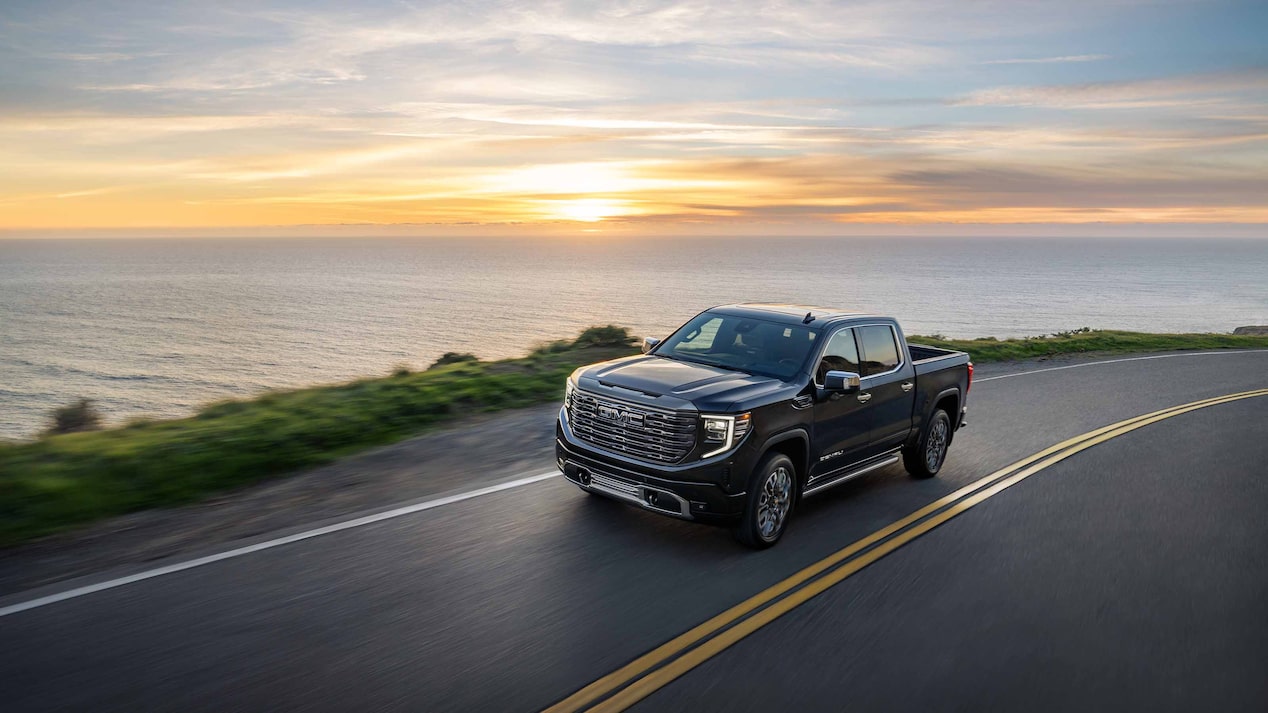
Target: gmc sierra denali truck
[{"x": 748, "y": 408}]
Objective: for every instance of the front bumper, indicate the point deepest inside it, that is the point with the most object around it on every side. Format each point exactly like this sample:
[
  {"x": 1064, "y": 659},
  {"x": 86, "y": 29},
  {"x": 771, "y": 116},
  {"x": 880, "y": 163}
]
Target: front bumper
[{"x": 710, "y": 491}]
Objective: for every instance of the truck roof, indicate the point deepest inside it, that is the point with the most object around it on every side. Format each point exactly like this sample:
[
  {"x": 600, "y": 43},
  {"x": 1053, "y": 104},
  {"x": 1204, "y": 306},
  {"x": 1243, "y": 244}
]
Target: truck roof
[{"x": 788, "y": 313}]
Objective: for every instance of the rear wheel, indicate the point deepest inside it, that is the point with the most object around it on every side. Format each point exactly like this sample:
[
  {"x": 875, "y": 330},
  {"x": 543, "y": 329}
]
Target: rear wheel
[
  {"x": 925, "y": 459},
  {"x": 769, "y": 502}
]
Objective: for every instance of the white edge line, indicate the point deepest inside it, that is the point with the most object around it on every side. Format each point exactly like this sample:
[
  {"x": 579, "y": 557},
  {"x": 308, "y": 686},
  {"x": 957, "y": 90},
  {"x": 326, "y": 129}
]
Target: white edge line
[
  {"x": 1116, "y": 361},
  {"x": 269, "y": 544},
  {"x": 429, "y": 504}
]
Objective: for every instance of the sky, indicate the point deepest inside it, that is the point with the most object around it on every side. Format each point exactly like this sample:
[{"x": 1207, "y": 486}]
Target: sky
[{"x": 893, "y": 117}]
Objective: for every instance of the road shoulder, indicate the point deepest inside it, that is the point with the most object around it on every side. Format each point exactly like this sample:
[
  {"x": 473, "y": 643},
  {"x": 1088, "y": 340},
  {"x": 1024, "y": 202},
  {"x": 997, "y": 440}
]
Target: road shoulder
[{"x": 474, "y": 453}]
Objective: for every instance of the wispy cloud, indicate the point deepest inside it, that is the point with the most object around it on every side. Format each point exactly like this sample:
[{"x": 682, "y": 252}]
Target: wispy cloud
[
  {"x": 1205, "y": 88},
  {"x": 1051, "y": 60}
]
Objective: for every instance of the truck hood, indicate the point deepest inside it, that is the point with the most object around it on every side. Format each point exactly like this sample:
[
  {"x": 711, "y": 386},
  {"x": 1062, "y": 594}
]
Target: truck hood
[{"x": 676, "y": 384}]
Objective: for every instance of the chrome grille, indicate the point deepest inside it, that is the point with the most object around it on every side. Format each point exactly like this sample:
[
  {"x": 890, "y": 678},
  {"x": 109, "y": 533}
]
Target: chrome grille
[{"x": 633, "y": 429}]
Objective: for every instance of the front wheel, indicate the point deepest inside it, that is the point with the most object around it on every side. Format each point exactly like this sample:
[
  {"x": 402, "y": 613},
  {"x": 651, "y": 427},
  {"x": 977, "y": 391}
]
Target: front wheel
[
  {"x": 769, "y": 502},
  {"x": 925, "y": 459}
]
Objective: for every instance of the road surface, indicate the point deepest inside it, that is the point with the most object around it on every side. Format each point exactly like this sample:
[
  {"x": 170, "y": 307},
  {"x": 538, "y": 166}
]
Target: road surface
[{"x": 1128, "y": 573}]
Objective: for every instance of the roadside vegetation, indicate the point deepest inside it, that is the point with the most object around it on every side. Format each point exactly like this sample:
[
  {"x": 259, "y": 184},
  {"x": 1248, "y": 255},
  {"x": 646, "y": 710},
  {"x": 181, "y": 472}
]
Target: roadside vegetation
[
  {"x": 74, "y": 418},
  {"x": 75, "y": 474},
  {"x": 72, "y": 476},
  {"x": 1080, "y": 341}
]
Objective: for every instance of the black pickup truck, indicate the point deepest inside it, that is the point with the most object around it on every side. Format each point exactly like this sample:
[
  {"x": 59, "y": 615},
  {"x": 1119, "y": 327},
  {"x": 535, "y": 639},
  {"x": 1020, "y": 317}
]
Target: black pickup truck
[{"x": 748, "y": 408}]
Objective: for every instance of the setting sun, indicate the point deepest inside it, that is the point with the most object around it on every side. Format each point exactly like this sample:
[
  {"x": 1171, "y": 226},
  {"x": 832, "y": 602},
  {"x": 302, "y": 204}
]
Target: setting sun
[{"x": 587, "y": 210}]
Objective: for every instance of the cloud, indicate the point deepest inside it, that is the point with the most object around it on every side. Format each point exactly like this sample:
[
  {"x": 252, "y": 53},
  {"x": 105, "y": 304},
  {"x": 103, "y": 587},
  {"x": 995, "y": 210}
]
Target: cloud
[
  {"x": 1193, "y": 89},
  {"x": 216, "y": 48},
  {"x": 1052, "y": 60}
]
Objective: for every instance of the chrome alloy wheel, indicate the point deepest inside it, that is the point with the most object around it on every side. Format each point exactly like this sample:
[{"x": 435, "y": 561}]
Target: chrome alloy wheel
[
  {"x": 936, "y": 449},
  {"x": 774, "y": 503}
]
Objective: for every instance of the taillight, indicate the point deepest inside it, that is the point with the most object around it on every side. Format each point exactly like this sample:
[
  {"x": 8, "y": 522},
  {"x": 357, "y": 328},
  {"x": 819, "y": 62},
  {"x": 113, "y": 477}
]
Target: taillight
[{"x": 970, "y": 384}]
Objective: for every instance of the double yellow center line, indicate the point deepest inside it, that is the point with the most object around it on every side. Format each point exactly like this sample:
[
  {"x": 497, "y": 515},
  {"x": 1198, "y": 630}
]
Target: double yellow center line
[{"x": 660, "y": 666}]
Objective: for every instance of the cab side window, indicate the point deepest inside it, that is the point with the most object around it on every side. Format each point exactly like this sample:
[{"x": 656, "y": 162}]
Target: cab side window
[
  {"x": 880, "y": 351},
  {"x": 841, "y": 354}
]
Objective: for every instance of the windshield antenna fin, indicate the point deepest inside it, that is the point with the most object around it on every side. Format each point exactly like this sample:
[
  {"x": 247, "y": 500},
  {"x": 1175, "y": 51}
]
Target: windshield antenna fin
[{"x": 810, "y": 317}]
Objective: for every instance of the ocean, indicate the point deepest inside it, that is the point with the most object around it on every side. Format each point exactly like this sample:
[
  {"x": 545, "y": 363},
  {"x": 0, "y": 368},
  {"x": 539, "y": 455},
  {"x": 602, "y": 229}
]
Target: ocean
[{"x": 156, "y": 328}]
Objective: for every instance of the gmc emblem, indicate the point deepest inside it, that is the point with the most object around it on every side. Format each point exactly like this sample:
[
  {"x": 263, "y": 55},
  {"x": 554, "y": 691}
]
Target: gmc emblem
[{"x": 611, "y": 413}]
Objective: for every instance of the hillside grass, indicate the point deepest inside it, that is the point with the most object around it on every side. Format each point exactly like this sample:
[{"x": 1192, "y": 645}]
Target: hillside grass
[
  {"x": 1087, "y": 341},
  {"x": 61, "y": 481},
  {"x": 64, "y": 480}
]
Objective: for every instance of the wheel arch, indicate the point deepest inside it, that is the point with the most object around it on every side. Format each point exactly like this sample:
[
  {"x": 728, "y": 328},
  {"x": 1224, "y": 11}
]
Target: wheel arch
[
  {"x": 796, "y": 445},
  {"x": 949, "y": 400}
]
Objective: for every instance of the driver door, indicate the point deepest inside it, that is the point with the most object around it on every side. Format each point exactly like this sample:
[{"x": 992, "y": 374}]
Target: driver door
[{"x": 842, "y": 423}]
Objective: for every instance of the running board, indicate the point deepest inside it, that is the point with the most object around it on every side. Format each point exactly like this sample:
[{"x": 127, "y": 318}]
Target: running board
[{"x": 849, "y": 475}]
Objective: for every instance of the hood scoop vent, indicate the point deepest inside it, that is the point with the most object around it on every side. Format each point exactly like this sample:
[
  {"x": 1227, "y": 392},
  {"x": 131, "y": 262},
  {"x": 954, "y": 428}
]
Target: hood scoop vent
[{"x": 611, "y": 385}]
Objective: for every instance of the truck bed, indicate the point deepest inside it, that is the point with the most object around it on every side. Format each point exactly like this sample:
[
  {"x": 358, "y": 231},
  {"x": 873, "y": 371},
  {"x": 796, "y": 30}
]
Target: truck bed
[{"x": 927, "y": 359}]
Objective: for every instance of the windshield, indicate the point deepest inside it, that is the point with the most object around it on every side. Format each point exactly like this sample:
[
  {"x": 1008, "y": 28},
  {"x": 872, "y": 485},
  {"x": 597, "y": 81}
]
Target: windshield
[{"x": 741, "y": 343}]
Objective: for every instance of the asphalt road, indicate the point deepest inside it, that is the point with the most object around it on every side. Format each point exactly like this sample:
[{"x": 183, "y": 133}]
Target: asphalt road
[{"x": 1131, "y": 575}]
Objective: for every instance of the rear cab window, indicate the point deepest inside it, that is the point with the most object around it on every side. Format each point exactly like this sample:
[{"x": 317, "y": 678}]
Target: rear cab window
[{"x": 880, "y": 349}]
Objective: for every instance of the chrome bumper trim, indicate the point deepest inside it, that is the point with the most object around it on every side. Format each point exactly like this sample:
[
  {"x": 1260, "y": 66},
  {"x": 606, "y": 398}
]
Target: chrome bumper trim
[{"x": 636, "y": 493}]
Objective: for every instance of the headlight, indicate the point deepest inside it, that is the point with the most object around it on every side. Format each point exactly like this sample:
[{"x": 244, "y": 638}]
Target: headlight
[
  {"x": 725, "y": 431},
  {"x": 568, "y": 389}
]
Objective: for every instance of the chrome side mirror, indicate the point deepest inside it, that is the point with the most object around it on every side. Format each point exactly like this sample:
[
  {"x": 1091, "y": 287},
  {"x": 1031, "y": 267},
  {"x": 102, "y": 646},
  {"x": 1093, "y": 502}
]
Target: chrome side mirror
[
  {"x": 649, "y": 343},
  {"x": 842, "y": 382}
]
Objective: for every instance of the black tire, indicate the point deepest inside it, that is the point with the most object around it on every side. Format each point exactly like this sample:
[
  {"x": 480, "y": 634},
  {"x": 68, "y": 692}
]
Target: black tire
[
  {"x": 925, "y": 459},
  {"x": 768, "y": 507}
]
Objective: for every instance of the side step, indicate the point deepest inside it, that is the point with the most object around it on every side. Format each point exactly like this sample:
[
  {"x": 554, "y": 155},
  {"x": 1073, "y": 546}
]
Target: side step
[{"x": 829, "y": 481}]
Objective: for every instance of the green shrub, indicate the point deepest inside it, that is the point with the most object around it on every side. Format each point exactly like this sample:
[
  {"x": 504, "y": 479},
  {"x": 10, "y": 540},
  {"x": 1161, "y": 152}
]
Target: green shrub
[
  {"x": 606, "y": 336},
  {"x": 453, "y": 358},
  {"x": 555, "y": 347},
  {"x": 74, "y": 418}
]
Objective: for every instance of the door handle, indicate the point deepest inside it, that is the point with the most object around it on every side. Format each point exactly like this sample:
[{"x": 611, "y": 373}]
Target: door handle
[
  {"x": 864, "y": 398},
  {"x": 907, "y": 386}
]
